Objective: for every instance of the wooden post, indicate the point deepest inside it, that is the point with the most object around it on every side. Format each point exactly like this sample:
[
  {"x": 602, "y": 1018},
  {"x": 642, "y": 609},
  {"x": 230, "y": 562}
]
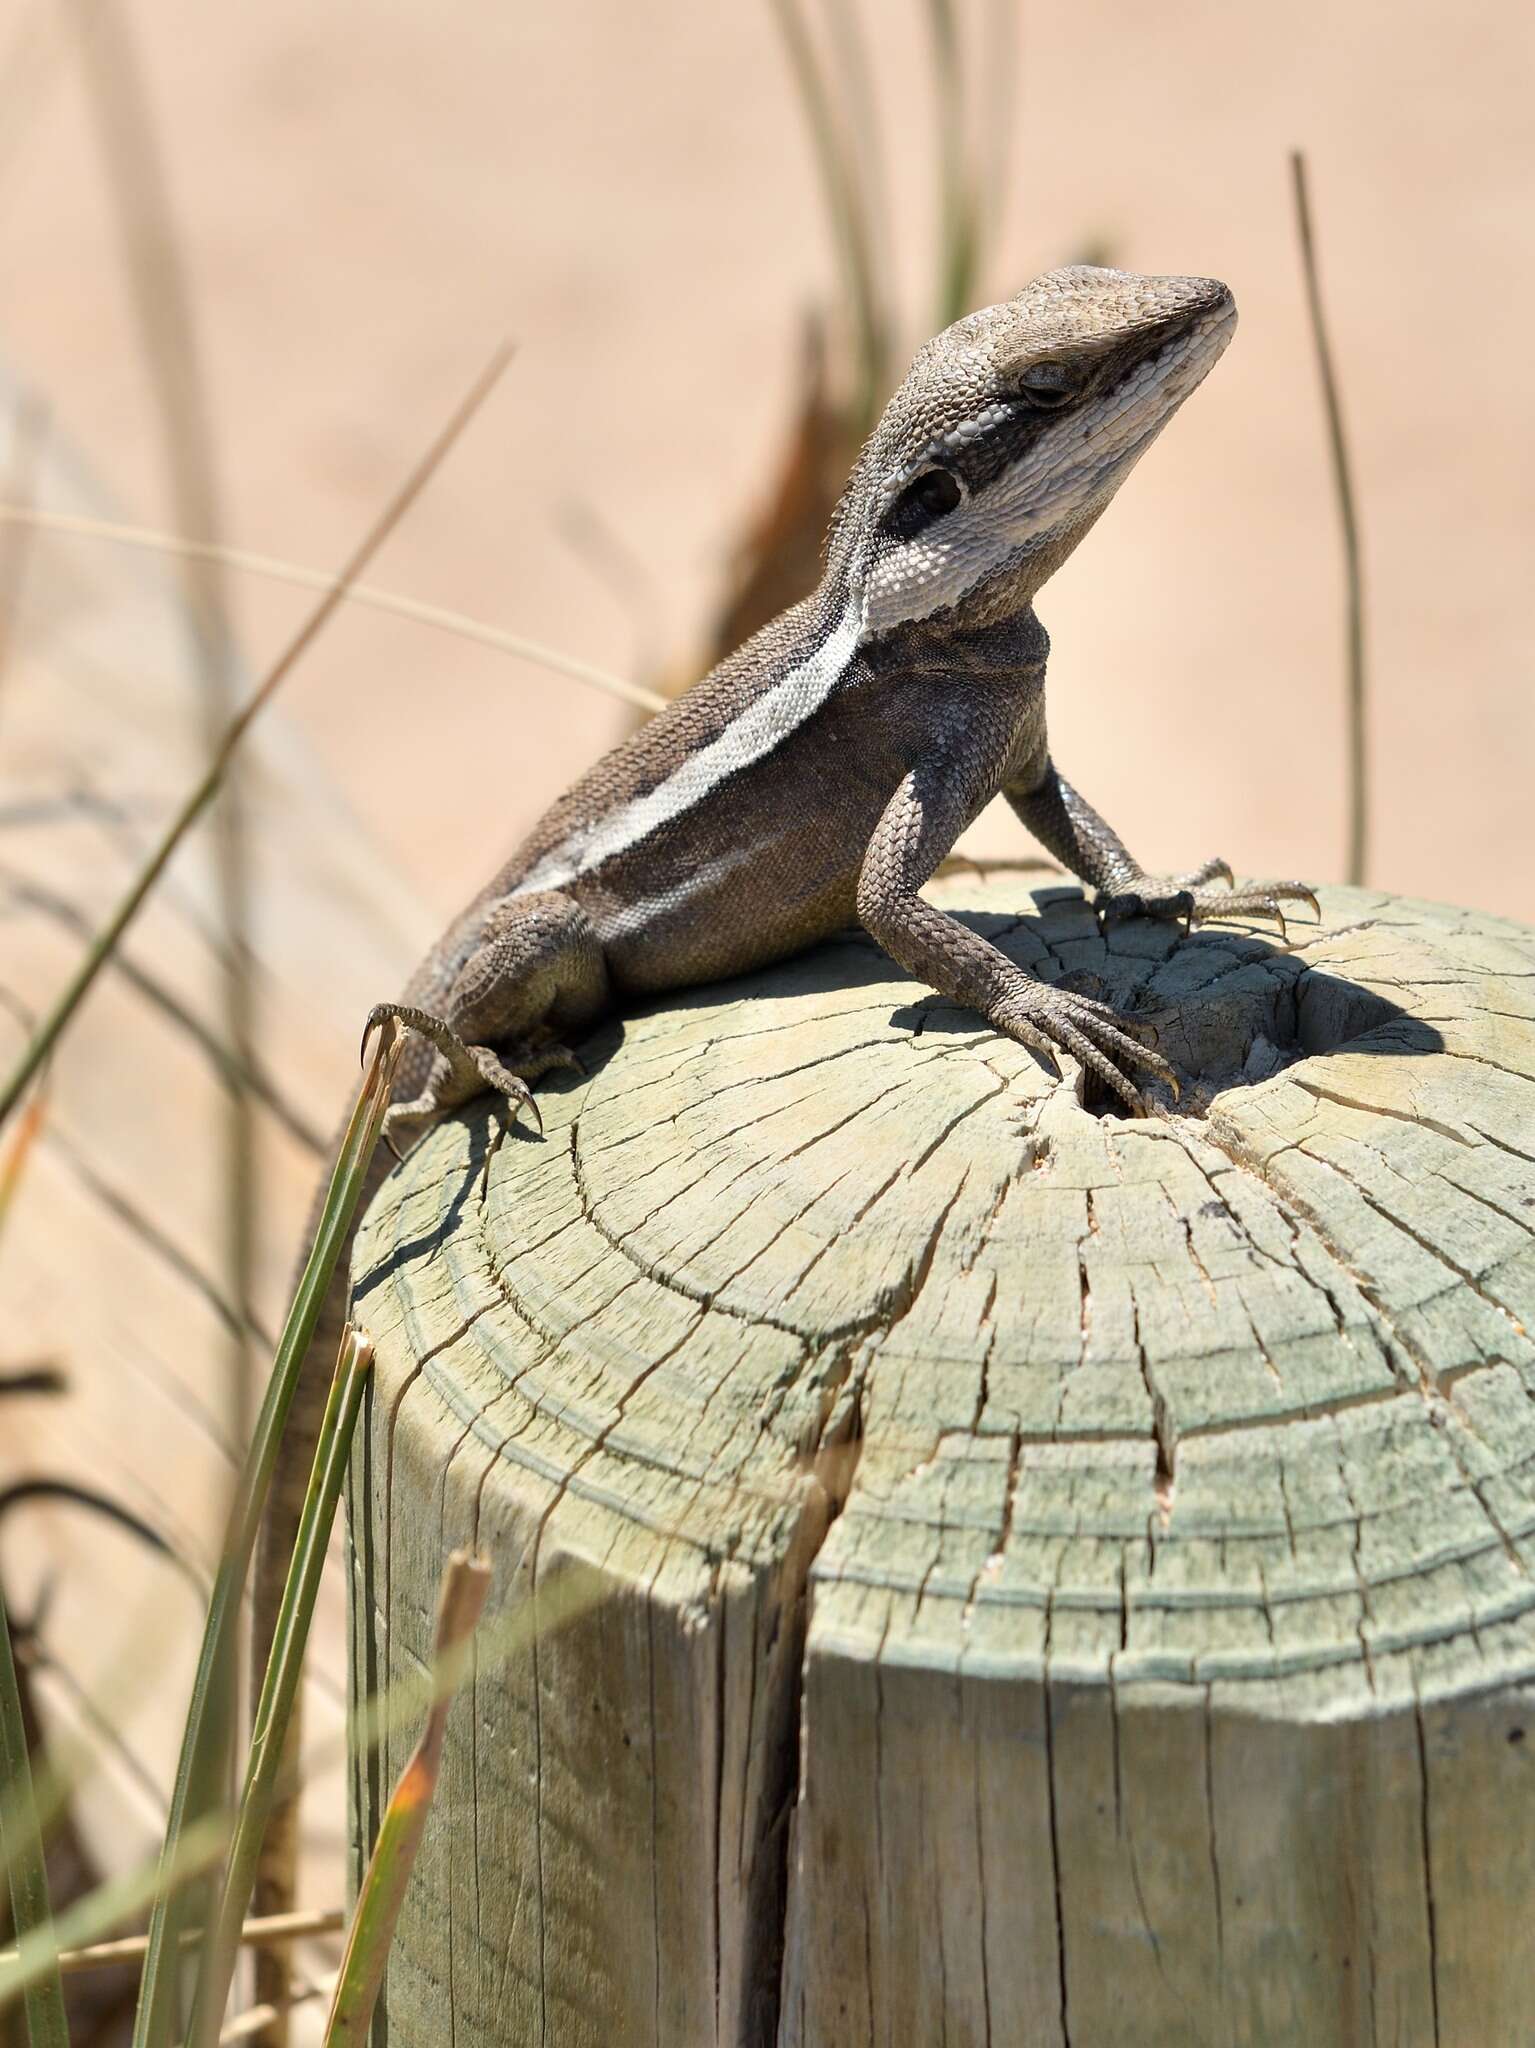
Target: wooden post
[{"x": 970, "y": 1568}]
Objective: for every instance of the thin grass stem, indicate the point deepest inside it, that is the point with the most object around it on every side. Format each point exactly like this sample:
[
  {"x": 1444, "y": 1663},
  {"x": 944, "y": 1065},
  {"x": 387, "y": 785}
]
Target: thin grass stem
[
  {"x": 284, "y": 1670},
  {"x": 260, "y": 2019},
  {"x": 368, "y": 594},
  {"x": 866, "y": 148},
  {"x": 956, "y": 197},
  {"x": 202, "y": 794},
  {"x": 131, "y": 1948},
  {"x": 400, "y": 1704},
  {"x": 846, "y": 206},
  {"x": 195, "y": 1785},
  {"x": 161, "y": 296},
  {"x": 1353, "y": 570},
  {"x": 999, "y": 100},
  {"x": 31, "y": 430},
  {"x": 109, "y": 1905},
  {"x": 31, "y": 1912},
  {"x": 23, "y": 1142}
]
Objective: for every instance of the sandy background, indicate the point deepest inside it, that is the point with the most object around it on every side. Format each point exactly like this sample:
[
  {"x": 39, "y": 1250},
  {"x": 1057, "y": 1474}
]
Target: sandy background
[
  {"x": 368, "y": 198},
  {"x": 371, "y": 195}
]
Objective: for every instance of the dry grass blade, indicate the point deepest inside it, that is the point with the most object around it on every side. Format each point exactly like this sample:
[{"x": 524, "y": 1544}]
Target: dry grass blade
[
  {"x": 1358, "y": 758},
  {"x": 31, "y": 1914},
  {"x": 355, "y": 593},
  {"x": 284, "y": 1669},
  {"x": 999, "y": 74},
  {"x": 260, "y": 2019},
  {"x": 466, "y": 1581},
  {"x": 131, "y": 1948},
  {"x": 22, "y": 1142},
  {"x": 162, "y": 300},
  {"x": 203, "y": 1741},
  {"x": 59, "y": 1017},
  {"x": 122, "y": 1898},
  {"x": 31, "y": 432},
  {"x": 400, "y": 1704}
]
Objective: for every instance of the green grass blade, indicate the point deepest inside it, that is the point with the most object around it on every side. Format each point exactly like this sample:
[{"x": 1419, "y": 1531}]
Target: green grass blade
[
  {"x": 465, "y": 1583},
  {"x": 853, "y": 74},
  {"x": 31, "y": 1913},
  {"x": 203, "y": 1742},
  {"x": 997, "y": 120},
  {"x": 284, "y": 1671},
  {"x": 847, "y": 208},
  {"x": 54, "y": 1025},
  {"x": 102, "y": 1911},
  {"x": 957, "y": 224}
]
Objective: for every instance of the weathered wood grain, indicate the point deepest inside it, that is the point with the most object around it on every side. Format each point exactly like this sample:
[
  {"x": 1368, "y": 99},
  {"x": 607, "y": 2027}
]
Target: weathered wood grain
[{"x": 970, "y": 1568}]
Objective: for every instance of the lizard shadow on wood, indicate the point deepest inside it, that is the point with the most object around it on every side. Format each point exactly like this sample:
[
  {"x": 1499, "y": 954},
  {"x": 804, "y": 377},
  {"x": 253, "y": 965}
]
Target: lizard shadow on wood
[
  {"x": 1227, "y": 1006},
  {"x": 485, "y": 1135}
]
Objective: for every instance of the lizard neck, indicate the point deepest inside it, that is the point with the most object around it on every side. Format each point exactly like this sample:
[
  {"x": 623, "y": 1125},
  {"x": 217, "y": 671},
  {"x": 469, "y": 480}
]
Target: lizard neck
[{"x": 974, "y": 642}]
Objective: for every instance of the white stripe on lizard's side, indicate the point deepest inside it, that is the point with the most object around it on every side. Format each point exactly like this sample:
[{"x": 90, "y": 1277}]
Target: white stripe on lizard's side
[
  {"x": 765, "y": 725},
  {"x": 639, "y": 917}
]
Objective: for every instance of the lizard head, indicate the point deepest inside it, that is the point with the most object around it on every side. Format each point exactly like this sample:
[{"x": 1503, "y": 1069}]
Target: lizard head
[{"x": 1010, "y": 433}]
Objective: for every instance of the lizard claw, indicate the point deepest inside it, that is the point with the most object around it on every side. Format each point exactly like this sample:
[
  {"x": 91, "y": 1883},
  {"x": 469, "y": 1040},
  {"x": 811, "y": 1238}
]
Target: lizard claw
[
  {"x": 380, "y": 1014},
  {"x": 460, "y": 1072},
  {"x": 1192, "y": 899},
  {"x": 422, "y": 1021},
  {"x": 1051, "y": 1019}
]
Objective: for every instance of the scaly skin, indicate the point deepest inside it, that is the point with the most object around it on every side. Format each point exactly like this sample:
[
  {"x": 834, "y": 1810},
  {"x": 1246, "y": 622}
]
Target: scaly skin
[{"x": 825, "y": 769}]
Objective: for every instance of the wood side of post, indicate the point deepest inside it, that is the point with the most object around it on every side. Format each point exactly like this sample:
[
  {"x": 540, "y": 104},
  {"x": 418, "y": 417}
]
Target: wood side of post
[{"x": 969, "y": 1567}]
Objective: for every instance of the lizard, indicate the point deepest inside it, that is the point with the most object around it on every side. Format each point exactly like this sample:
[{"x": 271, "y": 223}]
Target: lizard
[{"x": 822, "y": 772}]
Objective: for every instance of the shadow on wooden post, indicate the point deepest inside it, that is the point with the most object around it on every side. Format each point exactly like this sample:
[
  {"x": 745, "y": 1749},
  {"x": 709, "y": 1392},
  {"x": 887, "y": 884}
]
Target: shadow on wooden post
[{"x": 1058, "y": 1572}]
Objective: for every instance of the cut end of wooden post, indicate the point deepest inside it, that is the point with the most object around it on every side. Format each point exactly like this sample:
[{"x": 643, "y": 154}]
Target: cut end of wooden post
[{"x": 1051, "y": 1567}]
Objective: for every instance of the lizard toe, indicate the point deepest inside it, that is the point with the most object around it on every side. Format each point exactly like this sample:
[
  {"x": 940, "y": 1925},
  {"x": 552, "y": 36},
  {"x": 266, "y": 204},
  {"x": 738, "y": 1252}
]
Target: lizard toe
[
  {"x": 1255, "y": 899},
  {"x": 1206, "y": 893},
  {"x": 509, "y": 1087},
  {"x": 1166, "y": 899},
  {"x": 1213, "y": 870},
  {"x": 1051, "y": 1020}
]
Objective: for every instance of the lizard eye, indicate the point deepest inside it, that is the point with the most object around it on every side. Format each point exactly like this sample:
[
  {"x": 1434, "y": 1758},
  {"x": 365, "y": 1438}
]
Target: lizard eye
[
  {"x": 925, "y": 498},
  {"x": 1048, "y": 386},
  {"x": 936, "y": 491}
]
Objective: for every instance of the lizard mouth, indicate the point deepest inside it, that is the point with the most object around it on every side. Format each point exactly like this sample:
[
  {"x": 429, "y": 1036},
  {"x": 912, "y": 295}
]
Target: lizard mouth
[
  {"x": 1115, "y": 432},
  {"x": 1151, "y": 391},
  {"x": 1013, "y": 532}
]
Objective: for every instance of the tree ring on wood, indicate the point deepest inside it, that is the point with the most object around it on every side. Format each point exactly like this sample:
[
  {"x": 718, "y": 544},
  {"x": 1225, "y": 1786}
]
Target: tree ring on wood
[{"x": 961, "y": 1558}]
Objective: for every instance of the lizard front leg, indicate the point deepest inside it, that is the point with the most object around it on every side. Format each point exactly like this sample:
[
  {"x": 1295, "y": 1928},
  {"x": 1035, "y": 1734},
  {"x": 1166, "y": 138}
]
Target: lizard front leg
[
  {"x": 919, "y": 825},
  {"x": 1066, "y": 825}
]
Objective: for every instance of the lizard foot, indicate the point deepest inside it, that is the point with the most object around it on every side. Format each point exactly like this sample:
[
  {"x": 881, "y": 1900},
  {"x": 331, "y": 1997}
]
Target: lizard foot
[
  {"x": 1049, "y": 1019},
  {"x": 1192, "y": 898},
  {"x": 459, "y": 1073}
]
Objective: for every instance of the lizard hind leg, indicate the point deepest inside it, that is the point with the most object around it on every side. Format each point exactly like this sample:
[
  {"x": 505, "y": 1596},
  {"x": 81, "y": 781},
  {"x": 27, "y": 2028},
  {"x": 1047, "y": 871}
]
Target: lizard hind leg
[
  {"x": 459, "y": 1071},
  {"x": 534, "y": 969}
]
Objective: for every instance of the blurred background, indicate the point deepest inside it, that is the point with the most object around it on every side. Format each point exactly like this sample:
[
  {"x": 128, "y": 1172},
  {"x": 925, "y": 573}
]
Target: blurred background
[{"x": 252, "y": 257}]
